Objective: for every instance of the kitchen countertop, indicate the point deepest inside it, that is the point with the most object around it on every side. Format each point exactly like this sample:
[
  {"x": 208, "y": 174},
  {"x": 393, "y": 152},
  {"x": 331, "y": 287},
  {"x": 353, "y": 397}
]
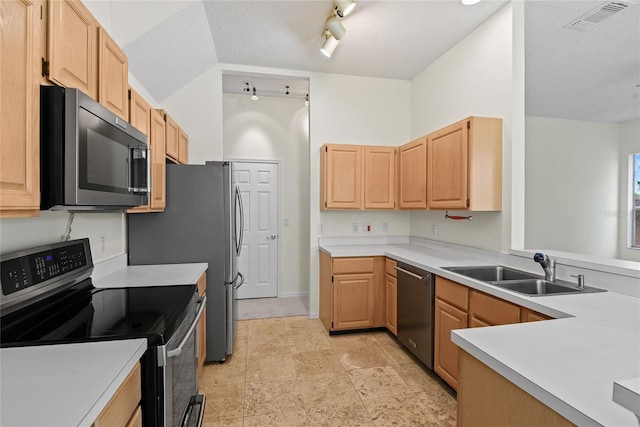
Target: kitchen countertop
[
  {"x": 152, "y": 275},
  {"x": 63, "y": 385},
  {"x": 569, "y": 363},
  {"x": 627, "y": 394}
]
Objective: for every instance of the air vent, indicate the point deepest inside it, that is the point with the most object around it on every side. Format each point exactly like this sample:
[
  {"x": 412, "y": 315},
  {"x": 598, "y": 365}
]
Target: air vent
[{"x": 596, "y": 16}]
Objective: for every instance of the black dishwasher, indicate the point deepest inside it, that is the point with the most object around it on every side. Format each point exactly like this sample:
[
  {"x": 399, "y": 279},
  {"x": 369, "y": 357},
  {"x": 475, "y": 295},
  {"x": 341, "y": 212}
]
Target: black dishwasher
[{"x": 416, "y": 299}]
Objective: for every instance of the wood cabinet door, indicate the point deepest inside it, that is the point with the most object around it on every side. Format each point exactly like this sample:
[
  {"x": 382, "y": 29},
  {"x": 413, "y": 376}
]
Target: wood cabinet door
[
  {"x": 325, "y": 291},
  {"x": 158, "y": 199},
  {"x": 172, "y": 137},
  {"x": 391, "y": 295},
  {"x": 72, "y": 46},
  {"x": 379, "y": 177},
  {"x": 486, "y": 310},
  {"x": 413, "y": 175},
  {"x": 528, "y": 315},
  {"x": 353, "y": 301},
  {"x": 140, "y": 118},
  {"x": 343, "y": 177},
  {"x": 183, "y": 147},
  {"x": 20, "y": 109},
  {"x": 113, "y": 75},
  {"x": 448, "y": 167},
  {"x": 446, "y": 353}
]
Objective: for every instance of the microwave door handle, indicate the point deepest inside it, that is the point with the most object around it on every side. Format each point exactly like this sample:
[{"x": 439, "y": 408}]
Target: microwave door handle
[
  {"x": 178, "y": 350},
  {"x": 128, "y": 167}
]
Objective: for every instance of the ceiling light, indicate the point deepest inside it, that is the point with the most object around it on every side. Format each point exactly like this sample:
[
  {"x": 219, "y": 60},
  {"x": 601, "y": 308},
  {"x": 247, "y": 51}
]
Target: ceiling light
[
  {"x": 469, "y": 2},
  {"x": 344, "y": 7},
  {"x": 287, "y": 92},
  {"x": 254, "y": 97},
  {"x": 329, "y": 45},
  {"x": 334, "y": 26},
  {"x": 306, "y": 99}
]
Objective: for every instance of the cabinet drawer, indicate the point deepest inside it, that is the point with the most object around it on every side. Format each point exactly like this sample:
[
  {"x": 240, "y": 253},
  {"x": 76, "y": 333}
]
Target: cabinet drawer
[
  {"x": 452, "y": 292},
  {"x": 124, "y": 403},
  {"x": 390, "y": 266},
  {"x": 352, "y": 265},
  {"x": 492, "y": 311}
]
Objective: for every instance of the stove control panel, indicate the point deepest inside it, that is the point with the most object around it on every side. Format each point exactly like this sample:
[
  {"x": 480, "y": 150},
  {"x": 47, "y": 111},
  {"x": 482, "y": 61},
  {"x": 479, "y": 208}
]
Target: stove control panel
[{"x": 30, "y": 268}]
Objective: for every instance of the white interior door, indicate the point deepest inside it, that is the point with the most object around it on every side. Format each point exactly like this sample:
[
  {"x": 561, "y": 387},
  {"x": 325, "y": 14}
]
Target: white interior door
[{"x": 258, "y": 261}]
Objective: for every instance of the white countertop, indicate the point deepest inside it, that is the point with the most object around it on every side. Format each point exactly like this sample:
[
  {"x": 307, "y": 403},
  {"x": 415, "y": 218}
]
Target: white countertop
[
  {"x": 569, "y": 363},
  {"x": 627, "y": 394},
  {"x": 152, "y": 275},
  {"x": 63, "y": 385}
]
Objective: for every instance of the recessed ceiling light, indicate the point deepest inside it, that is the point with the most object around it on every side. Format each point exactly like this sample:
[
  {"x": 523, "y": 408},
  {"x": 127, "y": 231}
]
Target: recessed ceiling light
[{"x": 469, "y": 2}]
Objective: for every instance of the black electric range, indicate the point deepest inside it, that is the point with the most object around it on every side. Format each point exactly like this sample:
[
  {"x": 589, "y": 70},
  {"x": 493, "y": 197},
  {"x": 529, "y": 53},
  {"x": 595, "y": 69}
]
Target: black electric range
[{"x": 48, "y": 298}]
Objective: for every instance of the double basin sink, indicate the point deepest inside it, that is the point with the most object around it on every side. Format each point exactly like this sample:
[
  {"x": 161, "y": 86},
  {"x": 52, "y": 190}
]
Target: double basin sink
[{"x": 520, "y": 281}]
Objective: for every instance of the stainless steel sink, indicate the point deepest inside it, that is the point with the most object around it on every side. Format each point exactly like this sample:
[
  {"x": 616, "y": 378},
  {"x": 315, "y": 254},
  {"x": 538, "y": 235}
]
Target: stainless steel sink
[
  {"x": 492, "y": 273},
  {"x": 538, "y": 287}
]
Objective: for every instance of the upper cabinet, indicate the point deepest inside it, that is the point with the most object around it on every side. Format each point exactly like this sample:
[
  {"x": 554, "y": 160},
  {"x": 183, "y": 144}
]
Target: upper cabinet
[
  {"x": 113, "y": 75},
  {"x": 357, "y": 177},
  {"x": 72, "y": 43},
  {"x": 20, "y": 54},
  {"x": 412, "y": 185},
  {"x": 176, "y": 140},
  {"x": 341, "y": 176},
  {"x": 464, "y": 168},
  {"x": 183, "y": 147}
]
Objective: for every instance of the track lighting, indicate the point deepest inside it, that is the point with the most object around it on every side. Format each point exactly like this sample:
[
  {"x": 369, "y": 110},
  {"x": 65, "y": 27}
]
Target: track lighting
[
  {"x": 329, "y": 45},
  {"x": 254, "y": 97},
  {"x": 333, "y": 25},
  {"x": 306, "y": 99},
  {"x": 344, "y": 7},
  {"x": 287, "y": 92}
]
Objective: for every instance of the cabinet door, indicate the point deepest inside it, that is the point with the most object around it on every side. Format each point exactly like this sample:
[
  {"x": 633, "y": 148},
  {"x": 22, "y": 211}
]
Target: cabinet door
[
  {"x": 20, "y": 107},
  {"x": 140, "y": 118},
  {"x": 379, "y": 177},
  {"x": 447, "y": 354},
  {"x": 183, "y": 147},
  {"x": 391, "y": 289},
  {"x": 448, "y": 167},
  {"x": 413, "y": 175},
  {"x": 157, "y": 200},
  {"x": 172, "y": 137},
  {"x": 73, "y": 46},
  {"x": 342, "y": 180},
  {"x": 353, "y": 301},
  {"x": 528, "y": 315},
  {"x": 113, "y": 75},
  {"x": 486, "y": 310}
]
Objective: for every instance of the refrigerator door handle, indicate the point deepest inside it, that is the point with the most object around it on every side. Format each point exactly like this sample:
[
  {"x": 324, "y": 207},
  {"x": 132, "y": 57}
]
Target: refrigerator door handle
[
  {"x": 237, "y": 285},
  {"x": 239, "y": 241}
]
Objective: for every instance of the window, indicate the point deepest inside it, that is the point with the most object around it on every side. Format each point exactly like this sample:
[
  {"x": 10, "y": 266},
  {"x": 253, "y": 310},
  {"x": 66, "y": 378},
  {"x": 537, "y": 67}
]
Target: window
[{"x": 635, "y": 209}]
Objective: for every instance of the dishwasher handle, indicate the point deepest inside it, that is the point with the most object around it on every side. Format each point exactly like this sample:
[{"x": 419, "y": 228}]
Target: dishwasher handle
[{"x": 417, "y": 276}]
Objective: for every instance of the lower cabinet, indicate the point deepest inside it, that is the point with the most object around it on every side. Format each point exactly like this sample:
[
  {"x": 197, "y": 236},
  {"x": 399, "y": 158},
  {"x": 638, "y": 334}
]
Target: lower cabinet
[
  {"x": 391, "y": 295},
  {"x": 202, "y": 325},
  {"x": 352, "y": 294},
  {"x": 486, "y": 398},
  {"x": 458, "y": 307},
  {"x": 124, "y": 407}
]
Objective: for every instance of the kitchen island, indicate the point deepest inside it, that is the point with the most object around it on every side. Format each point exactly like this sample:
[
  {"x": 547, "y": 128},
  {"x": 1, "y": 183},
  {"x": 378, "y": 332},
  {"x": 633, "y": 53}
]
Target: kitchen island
[{"x": 569, "y": 363}]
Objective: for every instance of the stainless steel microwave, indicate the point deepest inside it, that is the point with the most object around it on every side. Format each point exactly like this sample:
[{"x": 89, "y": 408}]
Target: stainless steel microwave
[{"x": 90, "y": 159}]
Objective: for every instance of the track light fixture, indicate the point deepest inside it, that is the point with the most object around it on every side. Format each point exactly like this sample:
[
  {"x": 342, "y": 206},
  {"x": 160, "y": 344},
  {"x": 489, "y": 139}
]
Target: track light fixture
[
  {"x": 344, "y": 7},
  {"x": 287, "y": 92},
  {"x": 329, "y": 45},
  {"x": 306, "y": 99},
  {"x": 335, "y": 27},
  {"x": 254, "y": 97}
]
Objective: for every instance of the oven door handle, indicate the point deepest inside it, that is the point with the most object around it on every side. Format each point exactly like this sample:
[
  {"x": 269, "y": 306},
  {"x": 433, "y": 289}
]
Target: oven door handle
[{"x": 178, "y": 350}]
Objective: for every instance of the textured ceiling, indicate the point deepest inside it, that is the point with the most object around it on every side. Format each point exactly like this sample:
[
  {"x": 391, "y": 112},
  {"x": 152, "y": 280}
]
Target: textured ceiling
[{"x": 582, "y": 75}]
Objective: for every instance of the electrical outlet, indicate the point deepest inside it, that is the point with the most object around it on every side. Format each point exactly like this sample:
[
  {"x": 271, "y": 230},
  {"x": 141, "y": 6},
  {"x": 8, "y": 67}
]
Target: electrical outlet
[
  {"x": 103, "y": 245},
  {"x": 385, "y": 227},
  {"x": 367, "y": 228},
  {"x": 354, "y": 227},
  {"x": 434, "y": 230},
  {"x": 320, "y": 228},
  {"x": 285, "y": 222}
]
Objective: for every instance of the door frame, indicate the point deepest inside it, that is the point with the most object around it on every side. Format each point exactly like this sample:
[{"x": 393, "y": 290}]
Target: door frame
[{"x": 278, "y": 210}]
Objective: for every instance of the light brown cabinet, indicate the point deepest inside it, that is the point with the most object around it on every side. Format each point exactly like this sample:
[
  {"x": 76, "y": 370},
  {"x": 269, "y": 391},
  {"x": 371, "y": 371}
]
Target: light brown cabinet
[
  {"x": 379, "y": 177},
  {"x": 176, "y": 140},
  {"x": 113, "y": 75},
  {"x": 202, "y": 325},
  {"x": 487, "y": 310},
  {"x": 72, "y": 43},
  {"x": 20, "y": 53},
  {"x": 183, "y": 147},
  {"x": 464, "y": 166},
  {"x": 391, "y": 296},
  {"x": 152, "y": 124},
  {"x": 412, "y": 174},
  {"x": 352, "y": 294},
  {"x": 124, "y": 407},
  {"x": 341, "y": 176}
]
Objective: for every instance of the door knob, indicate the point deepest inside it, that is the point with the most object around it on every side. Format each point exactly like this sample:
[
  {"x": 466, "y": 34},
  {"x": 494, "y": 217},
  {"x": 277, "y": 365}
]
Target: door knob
[{"x": 272, "y": 237}]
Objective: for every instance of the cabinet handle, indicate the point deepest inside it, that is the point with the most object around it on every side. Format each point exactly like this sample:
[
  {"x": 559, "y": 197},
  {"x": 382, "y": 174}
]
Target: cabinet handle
[{"x": 424, "y": 279}]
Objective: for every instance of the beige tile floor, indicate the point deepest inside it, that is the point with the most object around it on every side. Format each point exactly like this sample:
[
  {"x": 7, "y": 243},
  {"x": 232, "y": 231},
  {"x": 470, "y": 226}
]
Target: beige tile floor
[{"x": 289, "y": 372}]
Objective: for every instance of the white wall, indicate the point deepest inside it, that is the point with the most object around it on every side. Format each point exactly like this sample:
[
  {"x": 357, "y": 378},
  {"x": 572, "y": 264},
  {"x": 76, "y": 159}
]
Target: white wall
[
  {"x": 571, "y": 193},
  {"x": 277, "y": 129},
  {"x": 474, "y": 78},
  {"x": 629, "y": 144}
]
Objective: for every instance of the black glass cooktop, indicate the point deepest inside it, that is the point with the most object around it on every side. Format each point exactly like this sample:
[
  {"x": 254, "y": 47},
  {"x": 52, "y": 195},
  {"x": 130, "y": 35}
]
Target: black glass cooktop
[{"x": 85, "y": 313}]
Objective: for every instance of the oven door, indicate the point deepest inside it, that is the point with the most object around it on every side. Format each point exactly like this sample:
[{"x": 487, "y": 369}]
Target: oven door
[{"x": 183, "y": 406}]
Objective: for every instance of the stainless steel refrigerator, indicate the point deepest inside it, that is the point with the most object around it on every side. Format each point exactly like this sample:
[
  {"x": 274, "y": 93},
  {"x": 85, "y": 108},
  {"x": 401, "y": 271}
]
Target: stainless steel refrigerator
[{"x": 202, "y": 222}]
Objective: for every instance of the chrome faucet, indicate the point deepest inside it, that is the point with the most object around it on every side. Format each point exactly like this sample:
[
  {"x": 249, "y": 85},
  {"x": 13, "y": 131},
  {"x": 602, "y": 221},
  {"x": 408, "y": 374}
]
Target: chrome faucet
[{"x": 548, "y": 265}]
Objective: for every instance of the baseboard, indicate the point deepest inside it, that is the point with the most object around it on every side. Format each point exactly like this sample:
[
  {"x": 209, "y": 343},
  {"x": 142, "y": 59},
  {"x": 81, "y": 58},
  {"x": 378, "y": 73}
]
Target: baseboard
[
  {"x": 314, "y": 316},
  {"x": 293, "y": 294}
]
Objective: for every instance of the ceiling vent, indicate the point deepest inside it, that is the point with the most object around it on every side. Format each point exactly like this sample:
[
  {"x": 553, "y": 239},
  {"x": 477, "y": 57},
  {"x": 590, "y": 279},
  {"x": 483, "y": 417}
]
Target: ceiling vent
[{"x": 596, "y": 16}]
